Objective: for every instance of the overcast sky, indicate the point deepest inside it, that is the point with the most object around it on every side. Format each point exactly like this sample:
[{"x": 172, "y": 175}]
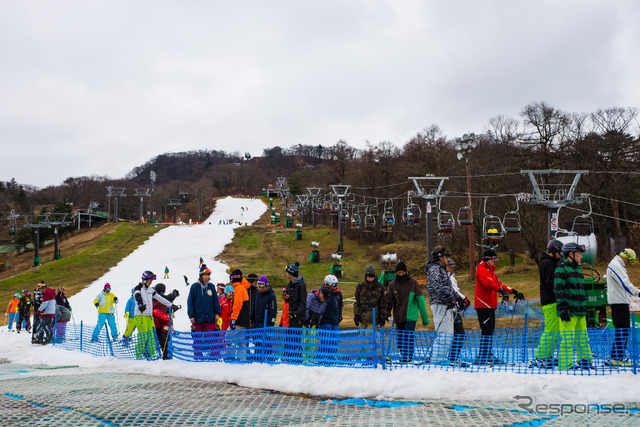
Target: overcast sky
[{"x": 102, "y": 87}]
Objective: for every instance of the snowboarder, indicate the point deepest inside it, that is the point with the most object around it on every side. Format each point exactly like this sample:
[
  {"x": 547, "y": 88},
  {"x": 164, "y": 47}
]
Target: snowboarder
[
  {"x": 63, "y": 313},
  {"x": 166, "y": 272},
  {"x": 296, "y": 296}
]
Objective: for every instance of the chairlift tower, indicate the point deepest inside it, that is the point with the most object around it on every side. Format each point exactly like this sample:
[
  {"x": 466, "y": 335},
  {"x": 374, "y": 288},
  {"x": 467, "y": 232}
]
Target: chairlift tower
[
  {"x": 174, "y": 203},
  {"x": 341, "y": 193},
  {"x": 314, "y": 193},
  {"x": 563, "y": 193},
  {"x": 142, "y": 193},
  {"x": 116, "y": 193},
  {"x": 37, "y": 222},
  {"x": 57, "y": 220},
  {"x": 429, "y": 195},
  {"x": 184, "y": 195}
]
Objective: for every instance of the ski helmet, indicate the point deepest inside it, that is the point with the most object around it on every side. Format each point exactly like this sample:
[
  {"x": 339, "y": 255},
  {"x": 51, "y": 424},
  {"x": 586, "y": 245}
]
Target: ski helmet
[
  {"x": 17, "y": 295},
  {"x": 628, "y": 254},
  {"x": 554, "y": 246},
  {"x": 571, "y": 247},
  {"x": 330, "y": 280},
  {"x": 160, "y": 288},
  {"x": 148, "y": 275},
  {"x": 205, "y": 271},
  {"x": 228, "y": 289},
  {"x": 107, "y": 287}
]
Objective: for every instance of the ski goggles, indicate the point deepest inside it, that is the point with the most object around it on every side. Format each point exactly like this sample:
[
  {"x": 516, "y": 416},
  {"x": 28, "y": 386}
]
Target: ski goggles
[{"x": 261, "y": 284}]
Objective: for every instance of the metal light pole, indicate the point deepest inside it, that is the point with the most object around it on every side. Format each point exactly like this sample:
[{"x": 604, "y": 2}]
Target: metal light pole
[
  {"x": 463, "y": 147},
  {"x": 152, "y": 176}
]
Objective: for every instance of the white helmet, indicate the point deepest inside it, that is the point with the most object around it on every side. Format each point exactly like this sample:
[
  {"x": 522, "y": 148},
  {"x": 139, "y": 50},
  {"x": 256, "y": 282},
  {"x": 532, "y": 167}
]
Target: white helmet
[{"x": 330, "y": 280}]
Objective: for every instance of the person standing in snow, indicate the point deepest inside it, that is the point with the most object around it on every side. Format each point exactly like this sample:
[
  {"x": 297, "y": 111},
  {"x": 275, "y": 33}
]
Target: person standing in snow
[
  {"x": 12, "y": 310},
  {"x": 619, "y": 290},
  {"x": 226, "y": 308},
  {"x": 24, "y": 311},
  {"x": 264, "y": 301},
  {"x": 458, "y": 325},
  {"x": 297, "y": 296},
  {"x": 284, "y": 317},
  {"x": 443, "y": 304},
  {"x": 105, "y": 303},
  {"x": 543, "y": 357},
  {"x": 63, "y": 313},
  {"x": 404, "y": 299},
  {"x": 144, "y": 295},
  {"x": 487, "y": 289},
  {"x": 37, "y": 300},
  {"x": 46, "y": 314},
  {"x": 369, "y": 296},
  {"x": 203, "y": 309},
  {"x": 162, "y": 318},
  {"x": 130, "y": 316}
]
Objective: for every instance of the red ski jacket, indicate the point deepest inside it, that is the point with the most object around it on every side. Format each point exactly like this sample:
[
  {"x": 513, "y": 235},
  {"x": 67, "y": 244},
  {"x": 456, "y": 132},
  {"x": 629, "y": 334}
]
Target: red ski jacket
[{"x": 487, "y": 286}]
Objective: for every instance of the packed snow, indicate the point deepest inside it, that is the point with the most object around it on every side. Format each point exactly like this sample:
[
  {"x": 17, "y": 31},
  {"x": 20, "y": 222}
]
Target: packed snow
[{"x": 180, "y": 248}]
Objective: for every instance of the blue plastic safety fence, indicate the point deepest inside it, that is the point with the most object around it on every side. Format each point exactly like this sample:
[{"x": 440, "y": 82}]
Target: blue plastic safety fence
[
  {"x": 519, "y": 350},
  {"x": 353, "y": 348},
  {"x": 80, "y": 337}
]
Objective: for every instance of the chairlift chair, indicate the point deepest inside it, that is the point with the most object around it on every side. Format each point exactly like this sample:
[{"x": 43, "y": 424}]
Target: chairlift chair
[
  {"x": 492, "y": 228},
  {"x": 388, "y": 217},
  {"x": 464, "y": 216},
  {"x": 369, "y": 222},
  {"x": 511, "y": 221},
  {"x": 355, "y": 221},
  {"x": 446, "y": 221}
]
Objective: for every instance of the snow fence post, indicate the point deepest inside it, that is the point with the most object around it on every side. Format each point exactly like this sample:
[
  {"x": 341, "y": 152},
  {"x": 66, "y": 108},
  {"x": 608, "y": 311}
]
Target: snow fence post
[
  {"x": 526, "y": 333},
  {"x": 634, "y": 342},
  {"x": 375, "y": 340},
  {"x": 81, "y": 329},
  {"x": 264, "y": 336}
]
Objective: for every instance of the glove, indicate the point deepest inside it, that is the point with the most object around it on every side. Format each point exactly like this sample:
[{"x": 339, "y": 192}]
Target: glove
[
  {"x": 175, "y": 308},
  {"x": 175, "y": 293},
  {"x": 220, "y": 323},
  {"x": 519, "y": 296},
  {"x": 390, "y": 319},
  {"x": 451, "y": 304},
  {"x": 467, "y": 303},
  {"x": 460, "y": 304},
  {"x": 505, "y": 295},
  {"x": 565, "y": 315},
  {"x": 193, "y": 328},
  {"x": 142, "y": 308},
  {"x": 97, "y": 304},
  {"x": 232, "y": 324},
  {"x": 5, "y": 315},
  {"x": 355, "y": 320},
  {"x": 115, "y": 299}
]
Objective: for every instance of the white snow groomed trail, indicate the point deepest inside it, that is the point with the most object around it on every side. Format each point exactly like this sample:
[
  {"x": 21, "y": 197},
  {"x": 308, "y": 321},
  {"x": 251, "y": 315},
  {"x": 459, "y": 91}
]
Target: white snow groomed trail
[{"x": 180, "y": 248}]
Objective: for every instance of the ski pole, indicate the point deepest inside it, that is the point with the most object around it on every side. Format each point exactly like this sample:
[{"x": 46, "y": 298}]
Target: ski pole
[
  {"x": 441, "y": 320},
  {"x": 117, "y": 318}
]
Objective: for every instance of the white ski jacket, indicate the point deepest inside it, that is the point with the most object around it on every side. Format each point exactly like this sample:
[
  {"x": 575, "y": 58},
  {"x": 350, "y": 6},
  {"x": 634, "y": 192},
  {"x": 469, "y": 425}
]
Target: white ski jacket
[
  {"x": 147, "y": 294},
  {"x": 619, "y": 287}
]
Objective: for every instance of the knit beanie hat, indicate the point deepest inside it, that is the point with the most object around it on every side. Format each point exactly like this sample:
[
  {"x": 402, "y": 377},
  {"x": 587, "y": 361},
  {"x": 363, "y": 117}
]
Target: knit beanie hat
[
  {"x": 252, "y": 277},
  {"x": 236, "y": 276},
  {"x": 370, "y": 270},
  {"x": 293, "y": 269},
  {"x": 401, "y": 266}
]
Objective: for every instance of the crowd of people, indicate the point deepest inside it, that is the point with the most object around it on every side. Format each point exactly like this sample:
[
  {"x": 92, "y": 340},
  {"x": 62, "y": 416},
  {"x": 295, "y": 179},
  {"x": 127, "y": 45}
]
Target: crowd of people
[{"x": 250, "y": 302}]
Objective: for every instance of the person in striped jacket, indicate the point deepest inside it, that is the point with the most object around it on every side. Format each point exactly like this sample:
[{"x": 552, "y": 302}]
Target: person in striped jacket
[{"x": 571, "y": 308}]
